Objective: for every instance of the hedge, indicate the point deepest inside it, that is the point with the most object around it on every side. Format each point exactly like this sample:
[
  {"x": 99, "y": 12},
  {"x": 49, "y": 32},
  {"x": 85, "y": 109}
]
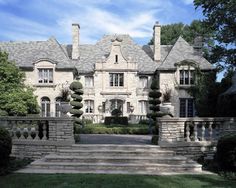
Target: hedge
[
  {"x": 5, "y": 146},
  {"x": 93, "y": 129},
  {"x": 226, "y": 153}
]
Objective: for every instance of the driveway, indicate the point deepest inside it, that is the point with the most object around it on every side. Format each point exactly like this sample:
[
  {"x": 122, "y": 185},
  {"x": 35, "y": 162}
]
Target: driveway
[{"x": 115, "y": 139}]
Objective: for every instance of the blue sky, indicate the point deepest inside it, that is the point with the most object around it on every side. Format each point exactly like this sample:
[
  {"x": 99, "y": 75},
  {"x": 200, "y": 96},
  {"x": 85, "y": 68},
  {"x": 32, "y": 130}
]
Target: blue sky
[{"x": 24, "y": 20}]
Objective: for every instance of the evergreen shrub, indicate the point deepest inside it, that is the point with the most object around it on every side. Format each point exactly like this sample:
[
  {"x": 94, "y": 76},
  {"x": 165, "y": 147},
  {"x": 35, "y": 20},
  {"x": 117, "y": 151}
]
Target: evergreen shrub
[
  {"x": 226, "y": 153},
  {"x": 5, "y": 146}
]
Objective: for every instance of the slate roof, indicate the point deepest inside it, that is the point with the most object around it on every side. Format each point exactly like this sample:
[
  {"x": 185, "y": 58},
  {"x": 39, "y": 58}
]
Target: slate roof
[
  {"x": 25, "y": 54},
  {"x": 90, "y": 54},
  {"x": 181, "y": 51}
]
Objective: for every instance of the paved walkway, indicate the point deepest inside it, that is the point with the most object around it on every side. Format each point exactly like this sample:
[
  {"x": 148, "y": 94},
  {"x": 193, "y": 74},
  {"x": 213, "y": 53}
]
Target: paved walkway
[{"x": 115, "y": 139}]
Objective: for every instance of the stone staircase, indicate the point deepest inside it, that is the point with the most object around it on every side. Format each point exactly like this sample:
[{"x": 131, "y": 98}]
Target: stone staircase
[{"x": 114, "y": 159}]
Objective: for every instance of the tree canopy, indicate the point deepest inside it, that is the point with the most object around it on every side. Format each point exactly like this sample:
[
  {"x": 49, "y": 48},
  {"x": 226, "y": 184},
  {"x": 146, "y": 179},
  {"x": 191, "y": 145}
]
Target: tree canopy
[
  {"x": 220, "y": 17},
  {"x": 15, "y": 98}
]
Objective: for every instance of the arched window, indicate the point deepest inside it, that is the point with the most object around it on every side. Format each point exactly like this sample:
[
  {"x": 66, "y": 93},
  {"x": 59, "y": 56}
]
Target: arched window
[
  {"x": 89, "y": 106},
  {"x": 45, "y": 106},
  {"x": 57, "y": 107}
]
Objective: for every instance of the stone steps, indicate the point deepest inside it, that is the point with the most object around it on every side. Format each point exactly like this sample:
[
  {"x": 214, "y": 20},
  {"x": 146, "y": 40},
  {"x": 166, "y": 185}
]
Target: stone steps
[
  {"x": 119, "y": 159},
  {"x": 113, "y": 159}
]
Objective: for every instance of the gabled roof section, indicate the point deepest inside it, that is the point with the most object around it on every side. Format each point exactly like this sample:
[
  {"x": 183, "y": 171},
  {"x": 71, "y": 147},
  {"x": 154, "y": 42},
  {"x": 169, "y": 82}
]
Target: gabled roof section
[
  {"x": 25, "y": 54},
  {"x": 182, "y": 51},
  {"x": 91, "y": 54}
]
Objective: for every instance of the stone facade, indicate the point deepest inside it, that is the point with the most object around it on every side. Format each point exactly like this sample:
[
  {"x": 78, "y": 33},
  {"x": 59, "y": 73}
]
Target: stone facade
[{"x": 115, "y": 72}]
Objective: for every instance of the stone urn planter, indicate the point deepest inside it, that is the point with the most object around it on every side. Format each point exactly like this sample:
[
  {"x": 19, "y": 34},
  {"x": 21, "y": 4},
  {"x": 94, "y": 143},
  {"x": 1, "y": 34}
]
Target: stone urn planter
[
  {"x": 167, "y": 108},
  {"x": 64, "y": 108}
]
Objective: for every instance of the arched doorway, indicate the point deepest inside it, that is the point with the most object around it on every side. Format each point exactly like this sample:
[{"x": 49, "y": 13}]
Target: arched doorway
[{"x": 116, "y": 104}]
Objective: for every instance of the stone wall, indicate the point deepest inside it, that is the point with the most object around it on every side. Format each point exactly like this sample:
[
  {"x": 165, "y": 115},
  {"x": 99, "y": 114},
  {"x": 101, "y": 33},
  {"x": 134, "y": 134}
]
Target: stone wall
[
  {"x": 55, "y": 134},
  {"x": 194, "y": 137}
]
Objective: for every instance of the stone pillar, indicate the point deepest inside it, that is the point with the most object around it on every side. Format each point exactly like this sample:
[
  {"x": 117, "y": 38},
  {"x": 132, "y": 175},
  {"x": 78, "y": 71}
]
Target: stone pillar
[
  {"x": 61, "y": 129},
  {"x": 75, "y": 41},
  {"x": 171, "y": 130},
  {"x": 157, "y": 41}
]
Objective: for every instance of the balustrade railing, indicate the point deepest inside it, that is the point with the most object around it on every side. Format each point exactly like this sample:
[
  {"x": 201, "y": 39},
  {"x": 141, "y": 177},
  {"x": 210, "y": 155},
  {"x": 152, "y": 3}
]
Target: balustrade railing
[
  {"x": 27, "y": 129},
  {"x": 205, "y": 130},
  {"x": 95, "y": 118},
  {"x": 134, "y": 118},
  {"x": 194, "y": 129},
  {"x": 38, "y": 128}
]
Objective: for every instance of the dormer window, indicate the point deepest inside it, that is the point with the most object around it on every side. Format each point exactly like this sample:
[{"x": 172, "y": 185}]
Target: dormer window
[
  {"x": 45, "y": 76},
  {"x": 116, "y": 58},
  {"x": 186, "y": 77}
]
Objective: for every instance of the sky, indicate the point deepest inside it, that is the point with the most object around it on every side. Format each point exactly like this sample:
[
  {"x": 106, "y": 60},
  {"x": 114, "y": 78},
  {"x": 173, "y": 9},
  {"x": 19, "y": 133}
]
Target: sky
[
  {"x": 37, "y": 20},
  {"x": 25, "y": 20}
]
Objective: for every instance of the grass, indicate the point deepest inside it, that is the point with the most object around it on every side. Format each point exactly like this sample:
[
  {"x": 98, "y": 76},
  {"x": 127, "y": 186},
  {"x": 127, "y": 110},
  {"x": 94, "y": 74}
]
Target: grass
[
  {"x": 13, "y": 165},
  {"x": 113, "y": 181}
]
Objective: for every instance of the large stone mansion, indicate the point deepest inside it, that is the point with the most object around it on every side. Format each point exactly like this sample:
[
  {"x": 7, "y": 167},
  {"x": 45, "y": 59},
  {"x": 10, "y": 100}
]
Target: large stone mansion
[{"x": 115, "y": 72}]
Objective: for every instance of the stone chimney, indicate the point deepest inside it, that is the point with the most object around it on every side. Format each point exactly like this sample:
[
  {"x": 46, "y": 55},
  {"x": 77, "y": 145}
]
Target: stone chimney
[
  {"x": 198, "y": 44},
  {"x": 157, "y": 41},
  {"x": 75, "y": 41}
]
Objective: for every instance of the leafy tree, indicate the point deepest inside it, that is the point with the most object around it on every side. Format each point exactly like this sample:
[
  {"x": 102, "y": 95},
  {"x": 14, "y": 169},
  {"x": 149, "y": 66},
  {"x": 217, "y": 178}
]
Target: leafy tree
[
  {"x": 15, "y": 98},
  {"x": 209, "y": 101},
  {"x": 220, "y": 16},
  {"x": 205, "y": 92}
]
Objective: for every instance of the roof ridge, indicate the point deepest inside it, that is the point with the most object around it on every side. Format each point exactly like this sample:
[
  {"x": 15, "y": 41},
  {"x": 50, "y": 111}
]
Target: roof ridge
[{"x": 53, "y": 39}]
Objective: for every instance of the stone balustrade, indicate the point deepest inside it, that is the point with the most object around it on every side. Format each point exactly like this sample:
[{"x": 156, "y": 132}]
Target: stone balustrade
[
  {"x": 95, "y": 118},
  {"x": 34, "y": 137},
  {"x": 135, "y": 118},
  {"x": 194, "y": 129},
  {"x": 193, "y": 137}
]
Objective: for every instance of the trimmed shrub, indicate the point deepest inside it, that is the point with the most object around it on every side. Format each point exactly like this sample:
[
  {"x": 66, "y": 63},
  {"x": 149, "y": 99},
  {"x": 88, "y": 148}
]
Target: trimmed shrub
[
  {"x": 3, "y": 113},
  {"x": 116, "y": 112},
  {"x": 144, "y": 121},
  {"x": 76, "y": 104},
  {"x": 155, "y": 139},
  {"x": 116, "y": 120},
  {"x": 102, "y": 129},
  {"x": 77, "y": 138},
  {"x": 226, "y": 153},
  {"x": 5, "y": 146},
  {"x": 154, "y": 101},
  {"x": 87, "y": 121}
]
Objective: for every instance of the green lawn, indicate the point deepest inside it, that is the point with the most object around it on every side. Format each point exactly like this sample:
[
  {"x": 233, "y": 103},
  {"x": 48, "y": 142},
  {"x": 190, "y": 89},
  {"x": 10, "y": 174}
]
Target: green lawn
[{"x": 113, "y": 181}]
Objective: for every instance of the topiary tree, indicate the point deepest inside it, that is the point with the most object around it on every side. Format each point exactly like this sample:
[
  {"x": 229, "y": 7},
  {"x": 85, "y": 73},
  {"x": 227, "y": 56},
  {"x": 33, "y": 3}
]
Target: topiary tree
[
  {"x": 5, "y": 146},
  {"x": 76, "y": 104},
  {"x": 154, "y": 100}
]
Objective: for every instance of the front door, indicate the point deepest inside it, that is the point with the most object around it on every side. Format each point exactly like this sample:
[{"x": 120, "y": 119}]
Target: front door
[{"x": 116, "y": 104}]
